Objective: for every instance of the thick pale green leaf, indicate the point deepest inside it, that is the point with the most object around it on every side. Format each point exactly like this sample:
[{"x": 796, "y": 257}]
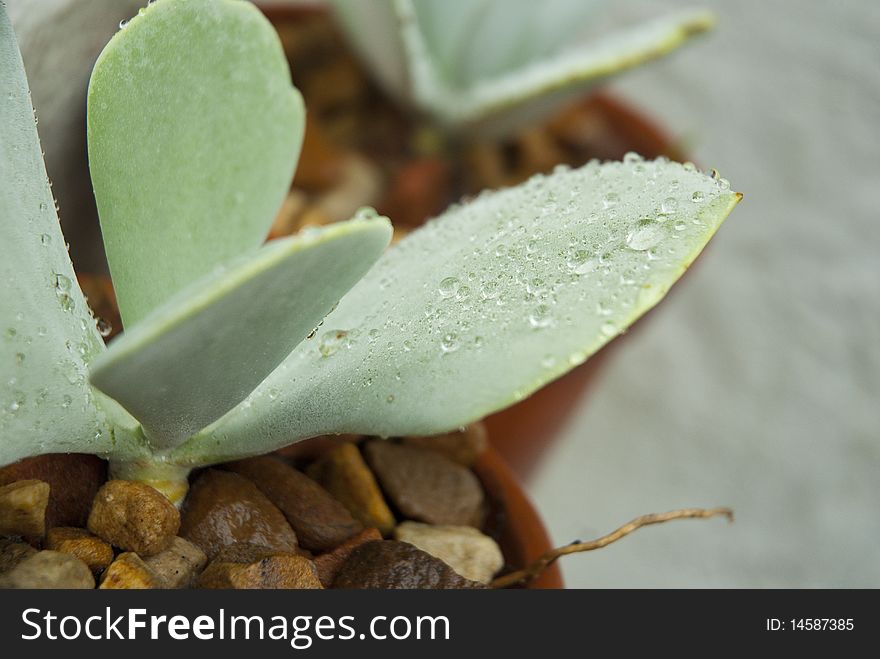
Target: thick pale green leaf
[
  {"x": 483, "y": 306},
  {"x": 475, "y": 40},
  {"x": 47, "y": 334},
  {"x": 507, "y": 100},
  {"x": 492, "y": 65},
  {"x": 205, "y": 350},
  {"x": 194, "y": 131}
]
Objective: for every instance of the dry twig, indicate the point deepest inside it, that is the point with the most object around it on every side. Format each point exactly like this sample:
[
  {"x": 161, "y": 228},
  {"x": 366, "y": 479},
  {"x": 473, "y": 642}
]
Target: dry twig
[{"x": 544, "y": 561}]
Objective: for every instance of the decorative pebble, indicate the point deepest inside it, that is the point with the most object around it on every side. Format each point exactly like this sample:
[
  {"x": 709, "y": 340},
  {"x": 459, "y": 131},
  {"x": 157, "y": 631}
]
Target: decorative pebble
[
  {"x": 345, "y": 475},
  {"x": 13, "y": 552},
  {"x": 462, "y": 446},
  {"x": 49, "y": 569},
  {"x": 73, "y": 479},
  {"x": 129, "y": 572},
  {"x": 89, "y": 548},
  {"x": 426, "y": 486},
  {"x": 134, "y": 517},
  {"x": 224, "y": 508},
  {"x": 390, "y": 564},
  {"x": 472, "y": 554},
  {"x": 320, "y": 521},
  {"x": 329, "y": 563},
  {"x": 179, "y": 565},
  {"x": 247, "y": 566},
  {"x": 23, "y": 508}
]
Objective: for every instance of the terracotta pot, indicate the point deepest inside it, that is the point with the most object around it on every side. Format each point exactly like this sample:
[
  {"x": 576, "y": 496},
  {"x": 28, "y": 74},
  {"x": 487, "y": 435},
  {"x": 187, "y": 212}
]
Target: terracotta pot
[{"x": 513, "y": 521}]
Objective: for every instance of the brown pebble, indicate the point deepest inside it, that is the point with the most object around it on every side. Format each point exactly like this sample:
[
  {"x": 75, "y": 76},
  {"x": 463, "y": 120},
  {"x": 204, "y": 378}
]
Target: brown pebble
[
  {"x": 13, "y": 552},
  {"x": 224, "y": 508},
  {"x": 328, "y": 564},
  {"x": 462, "y": 446},
  {"x": 90, "y": 549},
  {"x": 345, "y": 475},
  {"x": 49, "y": 569},
  {"x": 74, "y": 480},
  {"x": 23, "y": 508},
  {"x": 390, "y": 564},
  {"x": 134, "y": 516},
  {"x": 179, "y": 565},
  {"x": 426, "y": 486},
  {"x": 472, "y": 554},
  {"x": 320, "y": 521},
  {"x": 129, "y": 572},
  {"x": 248, "y": 566}
]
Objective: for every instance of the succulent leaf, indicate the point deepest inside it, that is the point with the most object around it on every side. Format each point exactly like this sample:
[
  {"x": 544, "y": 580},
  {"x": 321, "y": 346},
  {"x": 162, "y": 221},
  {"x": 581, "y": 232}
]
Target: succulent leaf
[
  {"x": 483, "y": 306},
  {"x": 194, "y": 131},
  {"x": 47, "y": 335},
  {"x": 205, "y": 350},
  {"x": 490, "y": 65}
]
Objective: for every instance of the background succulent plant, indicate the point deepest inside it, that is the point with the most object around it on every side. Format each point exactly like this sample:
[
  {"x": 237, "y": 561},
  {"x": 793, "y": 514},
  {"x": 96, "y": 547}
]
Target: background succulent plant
[
  {"x": 492, "y": 64},
  {"x": 234, "y": 348}
]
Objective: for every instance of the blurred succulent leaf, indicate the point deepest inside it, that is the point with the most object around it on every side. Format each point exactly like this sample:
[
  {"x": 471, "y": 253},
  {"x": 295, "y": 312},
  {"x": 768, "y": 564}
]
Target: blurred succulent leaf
[
  {"x": 47, "y": 335},
  {"x": 205, "y": 350},
  {"x": 483, "y": 306},
  {"x": 193, "y": 140},
  {"x": 494, "y": 64}
]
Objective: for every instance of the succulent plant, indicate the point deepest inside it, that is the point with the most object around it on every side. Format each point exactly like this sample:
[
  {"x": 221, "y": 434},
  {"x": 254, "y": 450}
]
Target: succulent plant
[
  {"x": 233, "y": 347},
  {"x": 489, "y": 65}
]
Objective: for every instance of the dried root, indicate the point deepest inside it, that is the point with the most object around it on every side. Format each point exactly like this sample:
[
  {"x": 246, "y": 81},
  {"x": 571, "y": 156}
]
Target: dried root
[{"x": 543, "y": 562}]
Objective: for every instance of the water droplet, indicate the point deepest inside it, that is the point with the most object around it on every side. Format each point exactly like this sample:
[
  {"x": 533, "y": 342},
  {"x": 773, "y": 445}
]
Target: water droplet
[
  {"x": 697, "y": 197},
  {"x": 104, "y": 327},
  {"x": 463, "y": 293},
  {"x": 489, "y": 289},
  {"x": 631, "y": 157},
  {"x": 549, "y": 361},
  {"x": 478, "y": 342},
  {"x": 124, "y": 23},
  {"x": 536, "y": 286},
  {"x": 448, "y": 287},
  {"x": 45, "y": 239},
  {"x": 608, "y": 329},
  {"x": 373, "y": 334},
  {"x": 365, "y": 213},
  {"x": 689, "y": 166},
  {"x": 61, "y": 282},
  {"x": 644, "y": 238},
  {"x": 500, "y": 249},
  {"x": 668, "y": 206},
  {"x": 540, "y": 317},
  {"x": 66, "y": 402},
  {"x": 273, "y": 393},
  {"x": 611, "y": 199},
  {"x": 331, "y": 341},
  {"x": 580, "y": 262},
  {"x": 450, "y": 342},
  {"x": 390, "y": 398},
  {"x": 407, "y": 346}
]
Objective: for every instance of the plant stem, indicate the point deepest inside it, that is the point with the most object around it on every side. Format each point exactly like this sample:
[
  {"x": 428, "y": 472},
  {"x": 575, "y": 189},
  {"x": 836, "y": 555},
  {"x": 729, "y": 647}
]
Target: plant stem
[
  {"x": 169, "y": 479},
  {"x": 547, "y": 559}
]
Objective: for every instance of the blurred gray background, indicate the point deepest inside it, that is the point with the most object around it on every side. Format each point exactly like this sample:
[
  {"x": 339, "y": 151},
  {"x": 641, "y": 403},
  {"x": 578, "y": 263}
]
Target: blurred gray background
[{"x": 756, "y": 384}]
